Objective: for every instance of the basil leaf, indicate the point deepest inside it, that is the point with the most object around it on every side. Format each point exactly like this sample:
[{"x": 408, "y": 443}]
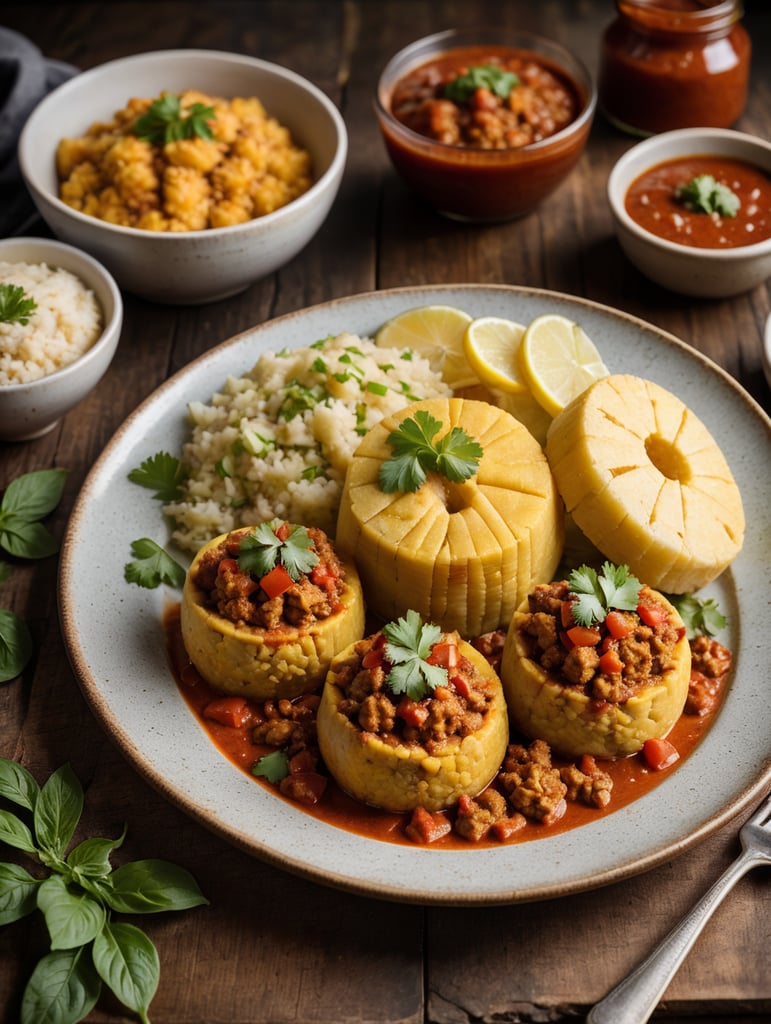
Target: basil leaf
[
  {"x": 127, "y": 961},
  {"x": 91, "y": 858},
  {"x": 34, "y": 495},
  {"x": 73, "y": 919},
  {"x": 26, "y": 540},
  {"x": 17, "y": 784},
  {"x": 63, "y": 989},
  {"x": 58, "y": 810},
  {"x": 15, "y": 833},
  {"x": 16, "y": 647},
  {"x": 18, "y": 893},
  {"x": 149, "y": 886}
]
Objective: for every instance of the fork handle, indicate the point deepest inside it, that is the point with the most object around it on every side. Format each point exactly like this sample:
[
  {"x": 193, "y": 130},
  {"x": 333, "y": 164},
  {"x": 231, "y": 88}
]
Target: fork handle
[{"x": 636, "y": 997}]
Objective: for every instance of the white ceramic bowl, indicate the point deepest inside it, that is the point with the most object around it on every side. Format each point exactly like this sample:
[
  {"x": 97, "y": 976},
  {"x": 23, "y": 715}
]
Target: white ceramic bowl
[
  {"x": 708, "y": 273},
  {"x": 195, "y": 266},
  {"x": 29, "y": 410}
]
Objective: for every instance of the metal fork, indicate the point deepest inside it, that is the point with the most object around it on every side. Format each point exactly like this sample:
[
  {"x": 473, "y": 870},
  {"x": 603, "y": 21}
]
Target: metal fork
[{"x": 635, "y": 998}]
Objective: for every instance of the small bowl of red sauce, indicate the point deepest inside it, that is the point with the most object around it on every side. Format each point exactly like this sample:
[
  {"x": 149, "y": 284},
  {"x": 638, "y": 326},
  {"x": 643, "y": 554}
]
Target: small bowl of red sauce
[
  {"x": 482, "y": 124},
  {"x": 692, "y": 210}
]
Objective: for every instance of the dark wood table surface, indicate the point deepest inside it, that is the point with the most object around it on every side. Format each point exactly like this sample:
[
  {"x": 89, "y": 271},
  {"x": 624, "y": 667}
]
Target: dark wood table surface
[{"x": 273, "y": 948}]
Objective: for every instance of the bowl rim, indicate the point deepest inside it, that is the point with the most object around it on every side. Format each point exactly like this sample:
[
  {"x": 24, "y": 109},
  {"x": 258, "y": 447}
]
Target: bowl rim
[
  {"x": 515, "y": 39},
  {"x": 167, "y": 238},
  {"x": 620, "y": 179},
  {"x": 113, "y": 320}
]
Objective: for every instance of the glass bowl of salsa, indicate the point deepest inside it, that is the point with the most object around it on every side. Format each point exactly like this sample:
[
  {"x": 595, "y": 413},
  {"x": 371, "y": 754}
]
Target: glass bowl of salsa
[
  {"x": 692, "y": 210},
  {"x": 483, "y": 124}
]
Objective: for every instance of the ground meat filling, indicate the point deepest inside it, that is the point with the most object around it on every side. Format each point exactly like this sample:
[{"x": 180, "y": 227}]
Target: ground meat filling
[
  {"x": 710, "y": 665},
  {"x": 237, "y": 596},
  {"x": 457, "y": 709},
  {"x": 645, "y": 653}
]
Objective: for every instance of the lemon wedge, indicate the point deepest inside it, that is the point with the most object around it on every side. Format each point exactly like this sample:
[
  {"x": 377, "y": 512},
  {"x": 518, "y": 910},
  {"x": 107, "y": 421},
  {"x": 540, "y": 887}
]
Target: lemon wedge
[
  {"x": 558, "y": 361},
  {"x": 491, "y": 344},
  {"x": 435, "y": 332}
]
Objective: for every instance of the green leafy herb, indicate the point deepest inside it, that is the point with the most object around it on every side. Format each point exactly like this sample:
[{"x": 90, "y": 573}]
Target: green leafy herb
[
  {"x": 15, "y": 645},
  {"x": 704, "y": 194},
  {"x": 481, "y": 76},
  {"x": 27, "y": 500},
  {"x": 701, "y": 616},
  {"x": 274, "y": 767},
  {"x": 409, "y": 641},
  {"x": 614, "y": 587},
  {"x": 152, "y": 566},
  {"x": 78, "y": 898},
  {"x": 163, "y": 473},
  {"x": 263, "y": 549},
  {"x": 456, "y": 455},
  {"x": 165, "y": 121},
  {"x": 16, "y": 307}
]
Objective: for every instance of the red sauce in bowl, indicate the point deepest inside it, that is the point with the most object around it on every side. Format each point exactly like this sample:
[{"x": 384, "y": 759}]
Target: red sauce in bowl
[{"x": 651, "y": 201}]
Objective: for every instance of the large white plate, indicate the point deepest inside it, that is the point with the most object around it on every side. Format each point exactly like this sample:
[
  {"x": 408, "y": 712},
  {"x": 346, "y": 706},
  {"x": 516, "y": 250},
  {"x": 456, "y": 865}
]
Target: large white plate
[{"x": 115, "y": 642}]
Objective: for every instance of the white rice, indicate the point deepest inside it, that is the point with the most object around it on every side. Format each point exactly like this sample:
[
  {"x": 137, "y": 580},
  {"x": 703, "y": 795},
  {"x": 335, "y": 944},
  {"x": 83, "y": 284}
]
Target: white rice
[
  {"x": 66, "y": 323},
  {"x": 277, "y": 441}
]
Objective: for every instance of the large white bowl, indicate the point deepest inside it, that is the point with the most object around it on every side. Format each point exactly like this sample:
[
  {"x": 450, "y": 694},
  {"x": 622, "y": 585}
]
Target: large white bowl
[
  {"x": 29, "y": 410},
  {"x": 709, "y": 273},
  {"x": 195, "y": 266}
]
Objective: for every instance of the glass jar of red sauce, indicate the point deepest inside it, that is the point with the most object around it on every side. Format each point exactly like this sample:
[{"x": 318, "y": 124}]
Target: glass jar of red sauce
[{"x": 668, "y": 64}]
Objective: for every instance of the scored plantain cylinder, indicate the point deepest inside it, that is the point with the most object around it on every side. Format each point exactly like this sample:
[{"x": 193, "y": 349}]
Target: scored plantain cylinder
[{"x": 464, "y": 555}]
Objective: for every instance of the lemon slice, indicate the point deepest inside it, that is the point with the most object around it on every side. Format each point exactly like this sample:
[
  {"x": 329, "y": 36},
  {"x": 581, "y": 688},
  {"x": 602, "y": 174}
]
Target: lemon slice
[
  {"x": 435, "y": 332},
  {"x": 558, "y": 361},
  {"x": 491, "y": 344}
]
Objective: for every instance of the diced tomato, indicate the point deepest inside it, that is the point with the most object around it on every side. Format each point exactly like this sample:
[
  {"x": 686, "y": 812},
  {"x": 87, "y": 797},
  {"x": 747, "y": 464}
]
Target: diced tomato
[
  {"x": 444, "y": 654},
  {"x": 425, "y": 827},
  {"x": 460, "y": 683},
  {"x": 227, "y": 565},
  {"x": 231, "y": 711},
  {"x": 276, "y": 582},
  {"x": 505, "y": 828},
  {"x": 282, "y": 531},
  {"x": 412, "y": 712},
  {"x": 566, "y": 614},
  {"x": 610, "y": 662},
  {"x": 584, "y": 636},
  {"x": 617, "y": 624},
  {"x": 565, "y": 640},
  {"x": 373, "y": 658},
  {"x": 587, "y": 764},
  {"x": 659, "y": 754},
  {"x": 653, "y": 615}
]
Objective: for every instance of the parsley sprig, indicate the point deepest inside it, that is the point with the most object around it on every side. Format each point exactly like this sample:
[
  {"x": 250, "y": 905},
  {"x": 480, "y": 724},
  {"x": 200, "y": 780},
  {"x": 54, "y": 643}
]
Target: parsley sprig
[
  {"x": 266, "y": 547},
  {"x": 409, "y": 642},
  {"x": 165, "y": 121},
  {"x": 481, "y": 76},
  {"x": 704, "y": 194},
  {"x": 16, "y": 307},
  {"x": 78, "y": 899},
  {"x": 415, "y": 453},
  {"x": 597, "y": 593}
]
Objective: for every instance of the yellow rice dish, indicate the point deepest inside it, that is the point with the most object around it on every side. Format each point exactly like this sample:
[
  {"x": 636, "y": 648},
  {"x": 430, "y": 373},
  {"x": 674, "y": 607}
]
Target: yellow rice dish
[{"x": 249, "y": 167}]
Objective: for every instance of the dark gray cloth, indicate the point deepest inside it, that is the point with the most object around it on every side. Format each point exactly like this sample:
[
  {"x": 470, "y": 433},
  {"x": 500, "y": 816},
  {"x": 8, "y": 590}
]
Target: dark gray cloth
[{"x": 26, "y": 76}]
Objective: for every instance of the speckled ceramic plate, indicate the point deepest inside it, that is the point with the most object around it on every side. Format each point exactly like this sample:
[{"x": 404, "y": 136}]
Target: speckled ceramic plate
[{"x": 115, "y": 642}]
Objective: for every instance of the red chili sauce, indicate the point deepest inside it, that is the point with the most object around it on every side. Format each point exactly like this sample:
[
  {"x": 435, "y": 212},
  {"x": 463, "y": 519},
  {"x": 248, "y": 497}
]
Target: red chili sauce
[
  {"x": 632, "y": 778},
  {"x": 652, "y": 202}
]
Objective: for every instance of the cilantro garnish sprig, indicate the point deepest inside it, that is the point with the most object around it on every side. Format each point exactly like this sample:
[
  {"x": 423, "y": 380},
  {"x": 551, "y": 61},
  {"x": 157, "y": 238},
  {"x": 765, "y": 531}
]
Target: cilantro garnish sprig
[
  {"x": 597, "y": 593},
  {"x": 701, "y": 615},
  {"x": 481, "y": 76},
  {"x": 16, "y": 307},
  {"x": 165, "y": 121},
  {"x": 704, "y": 194},
  {"x": 152, "y": 566},
  {"x": 409, "y": 642},
  {"x": 277, "y": 543},
  {"x": 415, "y": 453},
  {"x": 162, "y": 473}
]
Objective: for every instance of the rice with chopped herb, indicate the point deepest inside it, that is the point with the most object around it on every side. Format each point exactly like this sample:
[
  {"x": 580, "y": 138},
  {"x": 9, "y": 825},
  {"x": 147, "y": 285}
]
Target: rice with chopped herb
[{"x": 277, "y": 441}]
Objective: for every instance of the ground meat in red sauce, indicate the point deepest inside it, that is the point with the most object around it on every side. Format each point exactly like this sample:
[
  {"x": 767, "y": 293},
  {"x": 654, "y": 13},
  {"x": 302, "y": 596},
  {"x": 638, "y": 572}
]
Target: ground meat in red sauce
[
  {"x": 237, "y": 596},
  {"x": 646, "y": 652},
  {"x": 539, "y": 106},
  {"x": 710, "y": 664}
]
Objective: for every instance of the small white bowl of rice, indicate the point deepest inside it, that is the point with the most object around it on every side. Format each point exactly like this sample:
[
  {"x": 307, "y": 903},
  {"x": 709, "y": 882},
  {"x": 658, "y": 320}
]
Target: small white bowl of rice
[{"x": 60, "y": 321}]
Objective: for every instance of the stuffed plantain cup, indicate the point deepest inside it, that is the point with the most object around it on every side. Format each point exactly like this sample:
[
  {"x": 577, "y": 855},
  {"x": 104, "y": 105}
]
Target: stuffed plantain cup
[
  {"x": 596, "y": 664},
  {"x": 264, "y": 610},
  {"x": 412, "y": 717}
]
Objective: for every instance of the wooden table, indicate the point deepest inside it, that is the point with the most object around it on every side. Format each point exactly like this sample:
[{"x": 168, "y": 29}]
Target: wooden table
[{"x": 272, "y": 948}]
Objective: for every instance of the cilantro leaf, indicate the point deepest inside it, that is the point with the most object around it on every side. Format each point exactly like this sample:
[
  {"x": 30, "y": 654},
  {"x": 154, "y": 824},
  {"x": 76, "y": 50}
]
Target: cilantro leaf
[
  {"x": 481, "y": 76},
  {"x": 163, "y": 473},
  {"x": 165, "y": 121},
  {"x": 153, "y": 566},
  {"x": 704, "y": 194},
  {"x": 408, "y": 644},
  {"x": 701, "y": 616},
  {"x": 15, "y": 305},
  {"x": 263, "y": 549},
  {"x": 614, "y": 587},
  {"x": 274, "y": 767},
  {"x": 456, "y": 456}
]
